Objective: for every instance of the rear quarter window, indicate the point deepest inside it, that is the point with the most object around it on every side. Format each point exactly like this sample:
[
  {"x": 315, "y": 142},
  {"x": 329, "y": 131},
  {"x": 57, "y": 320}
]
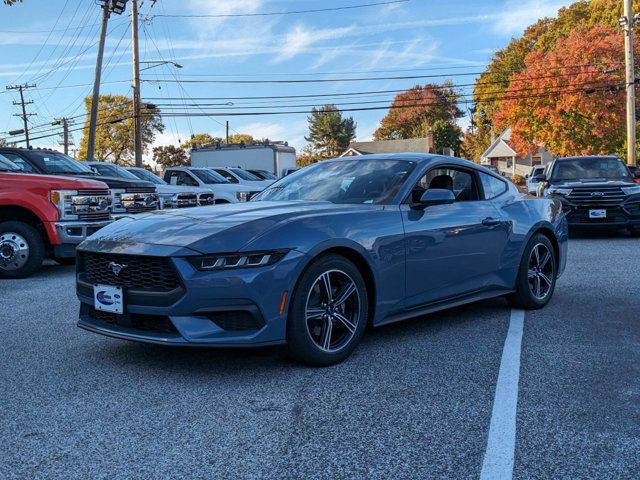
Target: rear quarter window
[{"x": 492, "y": 186}]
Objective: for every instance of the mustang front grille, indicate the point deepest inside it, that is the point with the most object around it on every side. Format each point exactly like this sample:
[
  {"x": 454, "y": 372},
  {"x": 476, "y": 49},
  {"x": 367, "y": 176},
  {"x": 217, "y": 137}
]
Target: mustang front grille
[{"x": 153, "y": 274}]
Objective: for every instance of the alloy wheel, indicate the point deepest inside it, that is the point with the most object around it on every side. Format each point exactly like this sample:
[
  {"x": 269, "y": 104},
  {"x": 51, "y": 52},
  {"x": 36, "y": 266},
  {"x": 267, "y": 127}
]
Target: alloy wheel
[
  {"x": 14, "y": 251},
  {"x": 541, "y": 271},
  {"x": 332, "y": 310}
]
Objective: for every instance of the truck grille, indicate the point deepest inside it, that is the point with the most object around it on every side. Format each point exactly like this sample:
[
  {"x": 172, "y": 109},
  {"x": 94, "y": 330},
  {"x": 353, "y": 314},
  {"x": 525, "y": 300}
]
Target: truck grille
[
  {"x": 154, "y": 274},
  {"x": 140, "y": 190},
  {"x": 205, "y": 199},
  {"x": 597, "y": 196},
  {"x": 94, "y": 192},
  {"x": 187, "y": 200}
]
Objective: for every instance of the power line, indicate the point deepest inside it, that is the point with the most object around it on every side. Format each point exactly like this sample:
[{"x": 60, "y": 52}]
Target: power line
[
  {"x": 25, "y": 116},
  {"x": 271, "y": 14}
]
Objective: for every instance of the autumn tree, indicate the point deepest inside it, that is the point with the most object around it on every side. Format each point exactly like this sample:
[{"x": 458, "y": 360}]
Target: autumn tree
[
  {"x": 170, "y": 156},
  {"x": 114, "y": 141},
  {"x": 200, "y": 140},
  {"x": 414, "y": 112},
  {"x": 330, "y": 133},
  {"x": 241, "y": 137},
  {"x": 581, "y": 113}
]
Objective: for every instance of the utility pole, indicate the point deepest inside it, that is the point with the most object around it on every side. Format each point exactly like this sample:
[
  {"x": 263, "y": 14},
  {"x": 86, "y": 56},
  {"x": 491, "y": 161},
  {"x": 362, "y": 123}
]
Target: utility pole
[
  {"x": 25, "y": 116},
  {"x": 108, "y": 6},
  {"x": 627, "y": 22},
  {"x": 226, "y": 131},
  {"x": 137, "y": 121},
  {"x": 93, "y": 121},
  {"x": 65, "y": 133}
]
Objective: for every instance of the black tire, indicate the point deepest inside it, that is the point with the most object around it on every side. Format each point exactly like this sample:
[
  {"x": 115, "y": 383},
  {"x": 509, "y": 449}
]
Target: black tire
[
  {"x": 535, "y": 284},
  {"x": 14, "y": 262},
  {"x": 65, "y": 260},
  {"x": 345, "y": 321}
]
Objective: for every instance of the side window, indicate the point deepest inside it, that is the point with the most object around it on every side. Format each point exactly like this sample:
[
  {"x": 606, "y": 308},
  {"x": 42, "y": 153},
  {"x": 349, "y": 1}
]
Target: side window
[
  {"x": 185, "y": 178},
  {"x": 18, "y": 160},
  {"x": 461, "y": 182},
  {"x": 228, "y": 176},
  {"x": 492, "y": 186}
]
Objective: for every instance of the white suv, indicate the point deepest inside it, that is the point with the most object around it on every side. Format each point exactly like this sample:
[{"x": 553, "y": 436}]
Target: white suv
[
  {"x": 223, "y": 190},
  {"x": 532, "y": 184}
]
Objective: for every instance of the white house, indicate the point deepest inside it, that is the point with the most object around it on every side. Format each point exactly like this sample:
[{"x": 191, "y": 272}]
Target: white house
[{"x": 501, "y": 155}]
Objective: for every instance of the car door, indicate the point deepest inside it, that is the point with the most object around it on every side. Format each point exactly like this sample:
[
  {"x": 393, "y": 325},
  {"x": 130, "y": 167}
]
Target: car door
[{"x": 452, "y": 250}]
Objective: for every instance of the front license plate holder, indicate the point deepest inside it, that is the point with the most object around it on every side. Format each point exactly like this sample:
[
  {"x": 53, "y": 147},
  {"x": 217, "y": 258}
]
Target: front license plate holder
[
  {"x": 107, "y": 298},
  {"x": 596, "y": 214}
]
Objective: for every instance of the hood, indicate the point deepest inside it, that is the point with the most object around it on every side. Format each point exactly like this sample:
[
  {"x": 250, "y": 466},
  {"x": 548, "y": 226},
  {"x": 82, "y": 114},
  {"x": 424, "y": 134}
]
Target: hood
[
  {"x": 52, "y": 182},
  {"x": 592, "y": 182},
  {"x": 117, "y": 182},
  {"x": 223, "y": 228}
]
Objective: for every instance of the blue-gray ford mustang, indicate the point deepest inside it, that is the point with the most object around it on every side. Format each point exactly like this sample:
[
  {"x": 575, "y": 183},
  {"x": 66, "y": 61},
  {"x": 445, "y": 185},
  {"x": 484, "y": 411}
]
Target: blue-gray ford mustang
[{"x": 321, "y": 254}]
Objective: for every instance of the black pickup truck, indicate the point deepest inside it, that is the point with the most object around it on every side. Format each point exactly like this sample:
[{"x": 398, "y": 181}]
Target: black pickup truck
[
  {"x": 595, "y": 191},
  {"x": 129, "y": 196}
]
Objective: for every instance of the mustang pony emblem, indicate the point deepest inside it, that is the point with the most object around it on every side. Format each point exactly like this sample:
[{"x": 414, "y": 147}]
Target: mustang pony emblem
[{"x": 116, "y": 268}]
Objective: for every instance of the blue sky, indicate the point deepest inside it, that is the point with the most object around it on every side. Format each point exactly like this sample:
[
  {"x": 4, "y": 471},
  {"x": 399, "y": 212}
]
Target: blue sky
[{"x": 53, "y": 43}]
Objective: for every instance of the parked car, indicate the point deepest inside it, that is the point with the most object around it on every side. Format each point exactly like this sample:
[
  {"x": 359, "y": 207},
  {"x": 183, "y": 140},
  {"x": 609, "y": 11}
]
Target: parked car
[
  {"x": 635, "y": 173},
  {"x": 263, "y": 174},
  {"x": 532, "y": 183},
  {"x": 238, "y": 175},
  {"x": 595, "y": 191},
  {"x": 129, "y": 196},
  {"x": 321, "y": 254},
  {"x": 223, "y": 190},
  {"x": 46, "y": 216},
  {"x": 174, "y": 196}
]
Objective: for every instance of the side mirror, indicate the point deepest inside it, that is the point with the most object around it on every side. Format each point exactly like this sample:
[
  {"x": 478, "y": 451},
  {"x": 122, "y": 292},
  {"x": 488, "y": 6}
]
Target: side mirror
[
  {"x": 540, "y": 178},
  {"x": 636, "y": 174},
  {"x": 434, "y": 196}
]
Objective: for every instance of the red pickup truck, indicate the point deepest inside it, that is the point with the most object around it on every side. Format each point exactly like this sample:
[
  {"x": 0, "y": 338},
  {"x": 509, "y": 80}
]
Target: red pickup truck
[{"x": 46, "y": 216}]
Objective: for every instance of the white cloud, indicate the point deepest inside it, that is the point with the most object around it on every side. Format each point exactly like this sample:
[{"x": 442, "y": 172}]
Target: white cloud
[{"x": 517, "y": 15}]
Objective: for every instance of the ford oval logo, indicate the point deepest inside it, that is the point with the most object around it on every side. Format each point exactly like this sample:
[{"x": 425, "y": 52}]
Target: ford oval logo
[
  {"x": 116, "y": 268},
  {"x": 104, "y": 298},
  {"x": 597, "y": 194}
]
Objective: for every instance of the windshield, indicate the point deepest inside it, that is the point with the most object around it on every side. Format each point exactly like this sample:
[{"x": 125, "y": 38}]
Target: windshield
[
  {"x": 209, "y": 177},
  {"x": 147, "y": 175},
  {"x": 342, "y": 181},
  {"x": 110, "y": 170},
  {"x": 7, "y": 165},
  {"x": 590, "y": 167},
  {"x": 244, "y": 175},
  {"x": 264, "y": 174},
  {"x": 55, "y": 162}
]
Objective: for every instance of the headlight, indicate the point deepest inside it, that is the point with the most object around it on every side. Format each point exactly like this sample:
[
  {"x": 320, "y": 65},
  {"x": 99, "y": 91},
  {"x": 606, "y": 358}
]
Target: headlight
[
  {"x": 631, "y": 190},
  {"x": 243, "y": 196},
  {"x": 226, "y": 261},
  {"x": 559, "y": 191},
  {"x": 70, "y": 205}
]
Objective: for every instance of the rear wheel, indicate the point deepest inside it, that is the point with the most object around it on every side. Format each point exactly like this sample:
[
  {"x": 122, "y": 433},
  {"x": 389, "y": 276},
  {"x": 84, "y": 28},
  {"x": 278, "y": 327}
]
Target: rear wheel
[
  {"x": 21, "y": 250},
  {"x": 536, "y": 279},
  {"x": 328, "y": 312}
]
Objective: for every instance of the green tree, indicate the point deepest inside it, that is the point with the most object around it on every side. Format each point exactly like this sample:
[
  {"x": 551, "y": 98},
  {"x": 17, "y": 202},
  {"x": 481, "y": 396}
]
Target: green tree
[
  {"x": 241, "y": 137},
  {"x": 170, "y": 156},
  {"x": 114, "y": 132},
  {"x": 330, "y": 133},
  {"x": 446, "y": 135},
  {"x": 414, "y": 112},
  {"x": 200, "y": 140}
]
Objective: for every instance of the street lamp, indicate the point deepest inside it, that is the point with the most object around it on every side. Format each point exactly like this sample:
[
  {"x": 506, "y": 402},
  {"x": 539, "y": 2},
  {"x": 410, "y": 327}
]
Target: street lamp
[{"x": 157, "y": 63}]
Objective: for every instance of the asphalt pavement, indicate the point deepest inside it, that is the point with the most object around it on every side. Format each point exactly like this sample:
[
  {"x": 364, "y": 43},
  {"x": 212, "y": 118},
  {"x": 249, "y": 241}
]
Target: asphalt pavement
[{"x": 414, "y": 401}]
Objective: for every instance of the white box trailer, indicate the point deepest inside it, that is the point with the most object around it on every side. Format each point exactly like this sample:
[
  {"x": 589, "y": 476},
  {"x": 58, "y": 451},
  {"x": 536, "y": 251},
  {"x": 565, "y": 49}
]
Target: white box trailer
[{"x": 276, "y": 158}]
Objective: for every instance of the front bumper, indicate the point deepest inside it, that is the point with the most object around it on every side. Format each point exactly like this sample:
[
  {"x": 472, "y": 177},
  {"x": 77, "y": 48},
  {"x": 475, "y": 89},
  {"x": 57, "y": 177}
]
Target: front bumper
[
  {"x": 222, "y": 308},
  {"x": 70, "y": 234},
  {"x": 624, "y": 215}
]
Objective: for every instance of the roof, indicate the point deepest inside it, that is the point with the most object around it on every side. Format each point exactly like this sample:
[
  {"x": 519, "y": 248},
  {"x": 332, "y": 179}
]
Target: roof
[
  {"x": 418, "y": 145},
  {"x": 577, "y": 157},
  {"x": 500, "y": 146}
]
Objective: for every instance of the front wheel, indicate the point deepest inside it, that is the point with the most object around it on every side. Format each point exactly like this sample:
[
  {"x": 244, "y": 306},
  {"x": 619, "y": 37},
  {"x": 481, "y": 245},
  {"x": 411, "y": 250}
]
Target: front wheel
[
  {"x": 536, "y": 279},
  {"x": 21, "y": 249},
  {"x": 328, "y": 312}
]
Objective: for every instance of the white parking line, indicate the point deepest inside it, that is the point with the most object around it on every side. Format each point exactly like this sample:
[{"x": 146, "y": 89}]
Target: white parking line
[{"x": 501, "y": 444}]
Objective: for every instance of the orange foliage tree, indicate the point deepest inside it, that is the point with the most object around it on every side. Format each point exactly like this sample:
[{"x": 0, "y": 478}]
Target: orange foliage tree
[{"x": 576, "y": 112}]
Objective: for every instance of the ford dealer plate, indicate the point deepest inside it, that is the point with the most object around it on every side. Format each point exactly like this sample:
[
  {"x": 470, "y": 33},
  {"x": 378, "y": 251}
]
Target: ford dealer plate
[
  {"x": 108, "y": 299},
  {"x": 597, "y": 214}
]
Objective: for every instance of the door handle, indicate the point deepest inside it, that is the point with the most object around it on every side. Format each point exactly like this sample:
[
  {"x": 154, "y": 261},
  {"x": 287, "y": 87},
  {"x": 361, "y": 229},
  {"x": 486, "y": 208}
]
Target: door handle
[{"x": 491, "y": 222}]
